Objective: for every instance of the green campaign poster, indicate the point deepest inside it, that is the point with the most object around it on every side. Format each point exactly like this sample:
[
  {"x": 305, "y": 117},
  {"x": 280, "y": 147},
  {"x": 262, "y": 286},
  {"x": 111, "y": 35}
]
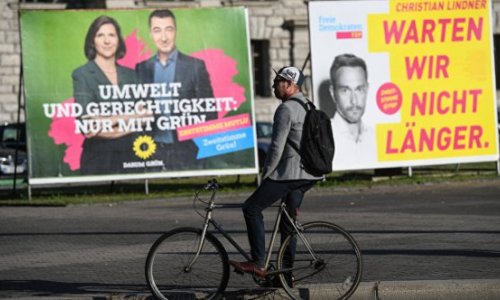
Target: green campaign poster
[{"x": 133, "y": 94}]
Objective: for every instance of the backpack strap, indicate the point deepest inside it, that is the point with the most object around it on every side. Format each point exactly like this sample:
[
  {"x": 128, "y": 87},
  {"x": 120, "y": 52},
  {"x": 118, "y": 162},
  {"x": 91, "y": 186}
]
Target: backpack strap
[{"x": 304, "y": 105}]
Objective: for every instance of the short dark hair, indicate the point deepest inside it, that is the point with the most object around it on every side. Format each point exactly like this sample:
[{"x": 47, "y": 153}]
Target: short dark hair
[
  {"x": 89, "y": 47},
  {"x": 346, "y": 60},
  {"x": 162, "y": 13}
]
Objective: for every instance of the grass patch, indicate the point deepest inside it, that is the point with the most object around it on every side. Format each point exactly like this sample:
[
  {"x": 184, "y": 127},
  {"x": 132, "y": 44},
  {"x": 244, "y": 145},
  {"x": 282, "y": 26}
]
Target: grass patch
[{"x": 113, "y": 192}]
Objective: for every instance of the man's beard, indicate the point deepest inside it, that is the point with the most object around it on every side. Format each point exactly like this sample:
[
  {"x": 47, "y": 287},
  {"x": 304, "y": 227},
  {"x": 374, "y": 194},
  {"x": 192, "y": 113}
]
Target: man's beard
[{"x": 358, "y": 113}]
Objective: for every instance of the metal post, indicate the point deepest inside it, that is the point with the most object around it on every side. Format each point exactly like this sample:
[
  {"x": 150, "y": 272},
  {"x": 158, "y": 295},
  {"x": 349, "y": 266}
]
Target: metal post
[
  {"x": 19, "y": 107},
  {"x": 146, "y": 186},
  {"x": 306, "y": 61},
  {"x": 290, "y": 26}
]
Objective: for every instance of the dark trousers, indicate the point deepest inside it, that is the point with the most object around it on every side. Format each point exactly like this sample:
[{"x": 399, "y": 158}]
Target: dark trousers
[{"x": 267, "y": 193}]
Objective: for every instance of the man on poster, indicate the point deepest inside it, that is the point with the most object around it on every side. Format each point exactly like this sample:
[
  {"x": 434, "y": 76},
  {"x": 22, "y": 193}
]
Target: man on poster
[
  {"x": 169, "y": 66},
  {"x": 355, "y": 141}
]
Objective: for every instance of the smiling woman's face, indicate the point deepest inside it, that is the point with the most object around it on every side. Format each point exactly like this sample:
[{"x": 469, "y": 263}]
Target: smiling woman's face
[{"x": 106, "y": 41}]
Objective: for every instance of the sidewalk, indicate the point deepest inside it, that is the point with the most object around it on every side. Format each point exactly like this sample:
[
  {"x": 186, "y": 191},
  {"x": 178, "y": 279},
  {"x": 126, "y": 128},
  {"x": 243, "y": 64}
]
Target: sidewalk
[
  {"x": 482, "y": 289},
  {"x": 429, "y": 241}
]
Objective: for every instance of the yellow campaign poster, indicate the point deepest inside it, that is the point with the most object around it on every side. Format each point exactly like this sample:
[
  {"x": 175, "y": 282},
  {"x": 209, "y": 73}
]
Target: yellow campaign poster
[{"x": 407, "y": 83}]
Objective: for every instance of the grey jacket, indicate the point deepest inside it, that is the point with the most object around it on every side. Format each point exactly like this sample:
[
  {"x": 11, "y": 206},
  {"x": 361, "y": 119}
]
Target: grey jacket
[{"x": 283, "y": 161}]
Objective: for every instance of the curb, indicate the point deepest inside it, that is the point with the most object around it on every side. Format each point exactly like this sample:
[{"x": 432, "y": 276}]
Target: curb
[
  {"x": 484, "y": 289},
  {"x": 431, "y": 289}
]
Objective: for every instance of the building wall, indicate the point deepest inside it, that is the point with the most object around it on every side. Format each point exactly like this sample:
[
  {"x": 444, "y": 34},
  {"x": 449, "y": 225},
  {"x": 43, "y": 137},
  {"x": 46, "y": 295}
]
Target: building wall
[
  {"x": 9, "y": 62},
  {"x": 266, "y": 19}
]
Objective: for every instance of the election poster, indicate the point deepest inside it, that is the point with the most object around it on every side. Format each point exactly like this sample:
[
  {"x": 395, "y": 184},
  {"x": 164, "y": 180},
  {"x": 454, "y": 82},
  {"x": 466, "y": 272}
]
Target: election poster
[
  {"x": 137, "y": 94},
  {"x": 406, "y": 83}
]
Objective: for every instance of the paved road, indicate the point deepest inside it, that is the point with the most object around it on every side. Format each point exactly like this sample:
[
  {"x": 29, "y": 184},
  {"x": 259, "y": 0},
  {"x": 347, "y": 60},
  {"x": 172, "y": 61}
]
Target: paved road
[{"x": 447, "y": 231}]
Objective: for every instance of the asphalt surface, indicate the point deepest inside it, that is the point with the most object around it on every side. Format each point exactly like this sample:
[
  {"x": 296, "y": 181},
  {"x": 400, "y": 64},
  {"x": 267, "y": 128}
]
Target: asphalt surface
[{"x": 433, "y": 241}]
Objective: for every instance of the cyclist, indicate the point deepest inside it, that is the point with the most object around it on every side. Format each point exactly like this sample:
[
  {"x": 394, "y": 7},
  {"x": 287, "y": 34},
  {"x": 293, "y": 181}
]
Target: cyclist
[{"x": 283, "y": 175}]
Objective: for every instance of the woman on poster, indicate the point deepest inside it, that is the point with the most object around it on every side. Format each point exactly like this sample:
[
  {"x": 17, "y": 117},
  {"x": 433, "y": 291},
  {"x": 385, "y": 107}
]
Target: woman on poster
[{"x": 104, "y": 150}]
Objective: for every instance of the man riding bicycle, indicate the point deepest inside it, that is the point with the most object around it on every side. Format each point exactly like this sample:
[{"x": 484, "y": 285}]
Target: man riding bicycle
[{"x": 284, "y": 177}]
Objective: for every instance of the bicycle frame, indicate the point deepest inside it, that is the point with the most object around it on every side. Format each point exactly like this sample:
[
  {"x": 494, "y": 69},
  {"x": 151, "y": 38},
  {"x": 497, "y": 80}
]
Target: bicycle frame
[
  {"x": 193, "y": 261},
  {"x": 209, "y": 220}
]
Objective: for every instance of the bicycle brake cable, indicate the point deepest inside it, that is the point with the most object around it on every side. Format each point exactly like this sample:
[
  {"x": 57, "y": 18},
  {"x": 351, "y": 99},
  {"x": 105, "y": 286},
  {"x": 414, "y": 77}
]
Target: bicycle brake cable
[{"x": 194, "y": 203}]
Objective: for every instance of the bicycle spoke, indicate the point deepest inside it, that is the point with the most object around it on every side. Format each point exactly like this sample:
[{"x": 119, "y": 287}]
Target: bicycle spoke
[
  {"x": 336, "y": 273},
  {"x": 168, "y": 273}
]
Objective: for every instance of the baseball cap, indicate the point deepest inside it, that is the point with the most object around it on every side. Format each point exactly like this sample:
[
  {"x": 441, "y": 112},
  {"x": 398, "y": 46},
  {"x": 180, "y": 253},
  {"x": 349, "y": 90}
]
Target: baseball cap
[{"x": 292, "y": 74}]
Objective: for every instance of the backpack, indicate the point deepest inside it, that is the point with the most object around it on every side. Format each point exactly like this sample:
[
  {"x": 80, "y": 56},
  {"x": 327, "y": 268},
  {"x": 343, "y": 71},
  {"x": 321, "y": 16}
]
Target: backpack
[{"x": 317, "y": 146}]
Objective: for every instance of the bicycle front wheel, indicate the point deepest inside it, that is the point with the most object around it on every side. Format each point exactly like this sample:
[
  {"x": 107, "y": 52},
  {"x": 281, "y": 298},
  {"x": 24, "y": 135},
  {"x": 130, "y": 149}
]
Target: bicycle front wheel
[
  {"x": 173, "y": 271},
  {"x": 334, "y": 269}
]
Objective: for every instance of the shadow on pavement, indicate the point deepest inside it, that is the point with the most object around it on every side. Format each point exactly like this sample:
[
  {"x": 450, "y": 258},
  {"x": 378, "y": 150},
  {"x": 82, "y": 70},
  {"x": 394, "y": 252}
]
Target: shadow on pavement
[{"x": 43, "y": 288}]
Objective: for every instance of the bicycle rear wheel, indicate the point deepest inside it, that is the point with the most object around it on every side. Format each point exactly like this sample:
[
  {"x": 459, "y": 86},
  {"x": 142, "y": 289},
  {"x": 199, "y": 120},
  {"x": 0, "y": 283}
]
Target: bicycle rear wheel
[
  {"x": 336, "y": 272},
  {"x": 167, "y": 266}
]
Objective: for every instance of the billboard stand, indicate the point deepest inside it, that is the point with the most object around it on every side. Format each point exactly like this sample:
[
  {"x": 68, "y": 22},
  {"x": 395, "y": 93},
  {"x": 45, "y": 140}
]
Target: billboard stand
[
  {"x": 306, "y": 60},
  {"x": 20, "y": 106},
  {"x": 498, "y": 166},
  {"x": 146, "y": 187}
]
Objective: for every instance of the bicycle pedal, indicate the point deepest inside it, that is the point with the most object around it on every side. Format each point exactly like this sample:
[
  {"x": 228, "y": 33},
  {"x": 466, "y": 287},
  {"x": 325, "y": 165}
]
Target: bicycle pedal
[{"x": 238, "y": 271}]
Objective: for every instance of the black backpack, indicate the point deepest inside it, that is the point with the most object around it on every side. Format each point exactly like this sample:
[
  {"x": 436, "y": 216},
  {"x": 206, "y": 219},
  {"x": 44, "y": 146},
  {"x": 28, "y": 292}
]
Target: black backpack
[{"x": 317, "y": 146}]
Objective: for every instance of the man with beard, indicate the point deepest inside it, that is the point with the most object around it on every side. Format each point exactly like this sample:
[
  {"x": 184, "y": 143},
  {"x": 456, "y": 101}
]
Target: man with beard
[
  {"x": 169, "y": 65},
  {"x": 284, "y": 177},
  {"x": 355, "y": 141}
]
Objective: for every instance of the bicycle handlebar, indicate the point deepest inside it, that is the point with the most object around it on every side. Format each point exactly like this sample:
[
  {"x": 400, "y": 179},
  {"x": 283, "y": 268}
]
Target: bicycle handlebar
[{"x": 213, "y": 185}]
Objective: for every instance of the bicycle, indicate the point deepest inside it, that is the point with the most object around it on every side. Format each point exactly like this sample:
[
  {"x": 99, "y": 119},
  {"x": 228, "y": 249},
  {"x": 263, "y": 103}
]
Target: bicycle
[{"x": 191, "y": 263}]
